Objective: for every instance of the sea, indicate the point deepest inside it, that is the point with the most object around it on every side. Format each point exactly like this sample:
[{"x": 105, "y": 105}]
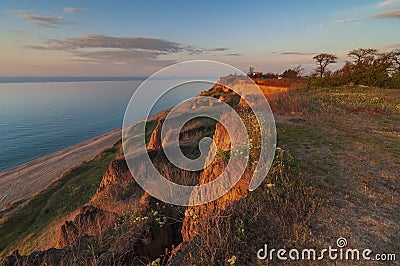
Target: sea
[{"x": 42, "y": 115}]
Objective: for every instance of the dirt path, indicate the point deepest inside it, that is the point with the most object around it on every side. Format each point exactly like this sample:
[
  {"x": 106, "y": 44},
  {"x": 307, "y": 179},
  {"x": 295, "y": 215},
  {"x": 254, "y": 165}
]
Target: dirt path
[{"x": 23, "y": 181}]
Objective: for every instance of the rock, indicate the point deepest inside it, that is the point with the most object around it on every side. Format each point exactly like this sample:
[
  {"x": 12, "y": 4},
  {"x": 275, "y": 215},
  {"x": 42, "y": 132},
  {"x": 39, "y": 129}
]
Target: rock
[
  {"x": 90, "y": 221},
  {"x": 14, "y": 259},
  {"x": 117, "y": 172},
  {"x": 196, "y": 215}
]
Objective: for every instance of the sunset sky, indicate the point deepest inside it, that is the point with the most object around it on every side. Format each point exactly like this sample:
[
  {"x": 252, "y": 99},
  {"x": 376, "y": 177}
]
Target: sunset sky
[{"x": 132, "y": 38}]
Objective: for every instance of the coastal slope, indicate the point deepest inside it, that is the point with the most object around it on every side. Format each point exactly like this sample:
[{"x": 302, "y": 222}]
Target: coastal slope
[{"x": 24, "y": 181}]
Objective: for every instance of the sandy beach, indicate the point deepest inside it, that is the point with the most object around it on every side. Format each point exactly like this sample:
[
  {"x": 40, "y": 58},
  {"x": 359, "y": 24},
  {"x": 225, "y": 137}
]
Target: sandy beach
[{"x": 25, "y": 180}]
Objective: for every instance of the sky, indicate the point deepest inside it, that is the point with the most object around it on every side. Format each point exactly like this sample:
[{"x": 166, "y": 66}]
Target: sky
[{"x": 137, "y": 38}]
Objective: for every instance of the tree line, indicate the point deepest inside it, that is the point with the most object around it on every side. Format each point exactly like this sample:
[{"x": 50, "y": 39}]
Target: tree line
[{"x": 367, "y": 66}]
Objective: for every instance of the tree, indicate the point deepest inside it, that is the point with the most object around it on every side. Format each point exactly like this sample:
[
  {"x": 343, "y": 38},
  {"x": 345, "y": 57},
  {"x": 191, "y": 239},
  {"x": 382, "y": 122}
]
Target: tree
[
  {"x": 258, "y": 75},
  {"x": 395, "y": 58},
  {"x": 251, "y": 72},
  {"x": 270, "y": 75},
  {"x": 289, "y": 73},
  {"x": 293, "y": 73},
  {"x": 370, "y": 67},
  {"x": 363, "y": 55},
  {"x": 323, "y": 60},
  {"x": 300, "y": 70},
  {"x": 344, "y": 74}
]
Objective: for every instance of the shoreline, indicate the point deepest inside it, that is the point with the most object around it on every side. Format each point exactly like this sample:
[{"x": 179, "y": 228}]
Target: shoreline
[
  {"x": 34, "y": 161},
  {"x": 25, "y": 180}
]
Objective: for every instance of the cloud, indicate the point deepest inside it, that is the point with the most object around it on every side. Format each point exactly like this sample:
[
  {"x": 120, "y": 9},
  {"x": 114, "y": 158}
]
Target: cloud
[
  {"x": 388, "y": 46},
  {"x": 233, "y": 54},
  {"x": 40, "y": 20},
  {"x": 121, "y": 55},
  {"x": 98, "y": 48},
  {"x": 102, "y": 41},
  {"x": 296, "y": 53},
  {"x": 75, "y": 9},
  {"x": 219, "y": 49},
  {"x": 35, "y": 47},
  {"x": 340, "y": 21},
  {"x": 20, "y": 33},
  {"x": 388, "y": 3},
  {"x": 395, "y": 13},
  {"x": 98, "y": 41}
]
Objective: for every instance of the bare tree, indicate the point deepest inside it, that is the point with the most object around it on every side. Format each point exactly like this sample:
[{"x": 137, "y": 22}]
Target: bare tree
[
  {"x": 323, "y": 60},
  {"x": 299, "y": 70},
  {"x": 251, "y": 71}
]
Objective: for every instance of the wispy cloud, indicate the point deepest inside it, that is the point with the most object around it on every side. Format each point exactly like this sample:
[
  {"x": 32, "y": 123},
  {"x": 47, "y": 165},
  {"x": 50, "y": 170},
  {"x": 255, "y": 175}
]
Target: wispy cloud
[
  {"x": 386, "y": 47},
  {"x": 388, "y": 3},
  {"x": 36, "y": 19},
  {"x": 121, "y": 55},
  {"x": 75, "y": 9},
  {"x": 233, "y": 54},
  {"x": 340, "y": 21},
  {"x": 395, "y": 13},
  {"x": 219, "y": 49},
  {"x": 19, "y": 33},
  {"x": 296, "y": 53}
]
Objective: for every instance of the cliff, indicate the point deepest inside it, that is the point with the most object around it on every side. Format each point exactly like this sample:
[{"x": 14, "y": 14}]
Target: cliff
[{"x": 123, "y": 224}]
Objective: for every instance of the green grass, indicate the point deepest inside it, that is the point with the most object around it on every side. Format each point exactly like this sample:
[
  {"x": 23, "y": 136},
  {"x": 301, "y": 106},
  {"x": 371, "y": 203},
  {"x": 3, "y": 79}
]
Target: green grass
[
  {"x": 32, "y": 217},
  {"x": 149, "y": 128},
  {"x": 298, "y": 134},
  {"x": 223, "y": 155},
  {"x": 135, "y": 138}
]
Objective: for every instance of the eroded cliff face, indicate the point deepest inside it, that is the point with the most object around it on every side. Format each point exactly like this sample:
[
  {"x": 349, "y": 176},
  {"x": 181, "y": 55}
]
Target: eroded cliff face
[
  {"x": 155, "y": 141},
  {"x": 90, "y": 221},
  {"x": 194, "y": 216},
  {"x": 117, "y": 172}
]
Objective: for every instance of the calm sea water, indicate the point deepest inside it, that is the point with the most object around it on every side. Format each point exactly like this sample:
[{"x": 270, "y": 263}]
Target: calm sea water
[
  {"x": 37, "y": 119},
  {"x": 41, "y": 116}
]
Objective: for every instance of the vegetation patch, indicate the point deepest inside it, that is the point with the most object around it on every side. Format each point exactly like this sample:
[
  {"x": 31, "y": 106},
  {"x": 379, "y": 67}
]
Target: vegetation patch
[{"x": 26, "y": 223}]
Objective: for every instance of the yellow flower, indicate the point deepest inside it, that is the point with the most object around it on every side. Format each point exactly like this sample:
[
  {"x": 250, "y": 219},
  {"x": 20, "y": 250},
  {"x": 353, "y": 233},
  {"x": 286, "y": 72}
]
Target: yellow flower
[{"x": 232, "y": 260}]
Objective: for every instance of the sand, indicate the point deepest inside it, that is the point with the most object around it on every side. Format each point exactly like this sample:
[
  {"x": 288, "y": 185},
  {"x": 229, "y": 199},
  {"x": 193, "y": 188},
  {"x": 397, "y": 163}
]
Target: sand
[{"x": 25, "y": 180}]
